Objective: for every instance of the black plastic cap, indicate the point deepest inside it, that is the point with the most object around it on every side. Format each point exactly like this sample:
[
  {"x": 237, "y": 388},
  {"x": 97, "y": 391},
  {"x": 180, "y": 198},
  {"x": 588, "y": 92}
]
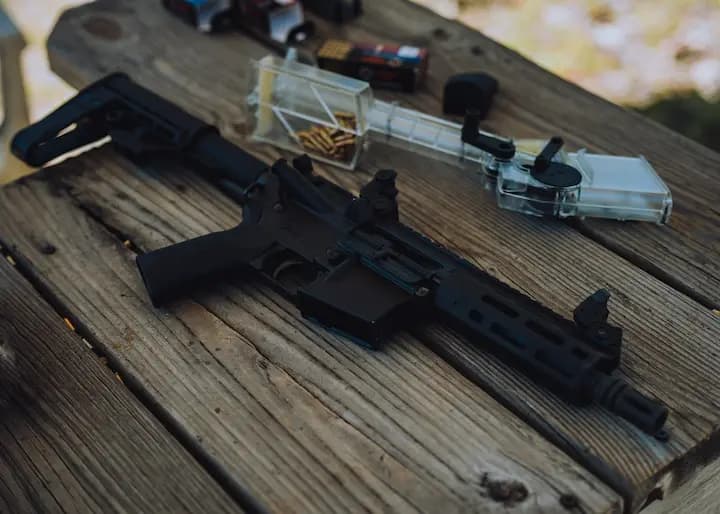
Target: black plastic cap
[
  {"x": 301, "y": 33},
  {"x": 469, "y": 91}
]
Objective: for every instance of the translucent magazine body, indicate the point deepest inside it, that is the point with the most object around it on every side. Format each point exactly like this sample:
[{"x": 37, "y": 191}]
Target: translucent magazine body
[{"x": 334, "y": 118}]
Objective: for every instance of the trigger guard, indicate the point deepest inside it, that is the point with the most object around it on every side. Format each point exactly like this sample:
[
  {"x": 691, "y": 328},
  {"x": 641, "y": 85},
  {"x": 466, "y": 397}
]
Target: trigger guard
[{"x": 285, "y": 265}]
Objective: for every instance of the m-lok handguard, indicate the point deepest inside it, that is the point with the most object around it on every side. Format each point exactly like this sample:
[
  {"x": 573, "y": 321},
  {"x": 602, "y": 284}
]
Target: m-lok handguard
[{"x": 345, "y": 261}]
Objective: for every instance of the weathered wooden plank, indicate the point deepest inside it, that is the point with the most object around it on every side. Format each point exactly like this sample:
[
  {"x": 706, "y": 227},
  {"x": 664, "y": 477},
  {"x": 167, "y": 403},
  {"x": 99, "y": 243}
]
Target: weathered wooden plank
[
  {"x": 671, "y": 341},
  {"x": 72, "y": 438},
  {"x": 534, "y": 103},
  {"x": 589, "y": 434},
  {"x": 701, "y": 495},
  {"x": 304, "y": 420},
  {"x": 207, "y": 78}
]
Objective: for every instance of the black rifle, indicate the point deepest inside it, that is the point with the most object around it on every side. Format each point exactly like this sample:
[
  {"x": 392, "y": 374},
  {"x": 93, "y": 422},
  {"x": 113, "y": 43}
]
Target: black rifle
[{"x": 345, "y": 261}]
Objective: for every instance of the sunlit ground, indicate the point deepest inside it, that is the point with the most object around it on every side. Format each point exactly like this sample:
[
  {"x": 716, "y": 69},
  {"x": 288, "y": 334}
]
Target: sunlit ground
[
  {"x": 633, "y": 52},
  {"x": 35, "y": 18}
]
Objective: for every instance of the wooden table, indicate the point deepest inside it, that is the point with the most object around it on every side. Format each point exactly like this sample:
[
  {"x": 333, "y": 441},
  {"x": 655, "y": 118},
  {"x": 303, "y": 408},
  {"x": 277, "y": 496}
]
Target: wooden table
[{"x": 230, "y": 401}]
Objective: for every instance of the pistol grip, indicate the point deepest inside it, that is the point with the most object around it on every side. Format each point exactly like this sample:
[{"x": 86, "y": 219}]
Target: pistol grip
[{"x": 176, "y": 271}]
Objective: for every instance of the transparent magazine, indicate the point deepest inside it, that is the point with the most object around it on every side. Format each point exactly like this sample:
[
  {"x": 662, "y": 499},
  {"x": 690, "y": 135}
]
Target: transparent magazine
[{"x": 334, "y": 118}]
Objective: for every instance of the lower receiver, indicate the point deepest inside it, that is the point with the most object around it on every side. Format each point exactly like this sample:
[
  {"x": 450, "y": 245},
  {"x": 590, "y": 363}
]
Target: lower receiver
[{"x": 346, "y": 262}]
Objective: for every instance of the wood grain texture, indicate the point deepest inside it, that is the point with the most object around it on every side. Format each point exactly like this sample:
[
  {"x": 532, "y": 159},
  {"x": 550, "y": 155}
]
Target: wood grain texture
[
  {"x": 535, "y": 103},
  {"x": 72, "y": 438},
  {"x": 672, "y": 339},
  {"x": 304, "y": 420},
  {"x": 701, "y": 495}
]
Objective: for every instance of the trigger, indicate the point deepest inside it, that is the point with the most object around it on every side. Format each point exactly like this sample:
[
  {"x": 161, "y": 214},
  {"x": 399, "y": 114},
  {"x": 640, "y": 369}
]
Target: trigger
[
  {"x": 283, "y": 266},
  {"x": 288, "y": 269}
]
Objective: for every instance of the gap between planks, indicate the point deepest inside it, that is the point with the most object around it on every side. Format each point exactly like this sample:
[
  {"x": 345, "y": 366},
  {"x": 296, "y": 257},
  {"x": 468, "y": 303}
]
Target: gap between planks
[
  {"x": 291, "y": 317},
  {"x": 88, "y": 440},
  {"x": 245, "y": 500}
]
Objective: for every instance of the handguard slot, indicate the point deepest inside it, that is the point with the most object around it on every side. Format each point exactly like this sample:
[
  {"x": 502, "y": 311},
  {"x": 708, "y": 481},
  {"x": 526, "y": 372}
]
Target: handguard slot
[
  {"x": 544, "y": 332},
  {"x": 500, "y": 306}
]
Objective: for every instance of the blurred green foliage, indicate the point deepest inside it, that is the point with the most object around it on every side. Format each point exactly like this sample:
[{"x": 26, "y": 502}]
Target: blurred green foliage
[
  {"x": 660, "y": 56},
  {"x": 691, "y": 115}
]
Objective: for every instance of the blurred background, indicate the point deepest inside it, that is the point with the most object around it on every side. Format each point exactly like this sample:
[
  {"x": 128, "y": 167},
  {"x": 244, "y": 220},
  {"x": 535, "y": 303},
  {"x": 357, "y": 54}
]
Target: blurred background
[{"x": 661, "y": 57}]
